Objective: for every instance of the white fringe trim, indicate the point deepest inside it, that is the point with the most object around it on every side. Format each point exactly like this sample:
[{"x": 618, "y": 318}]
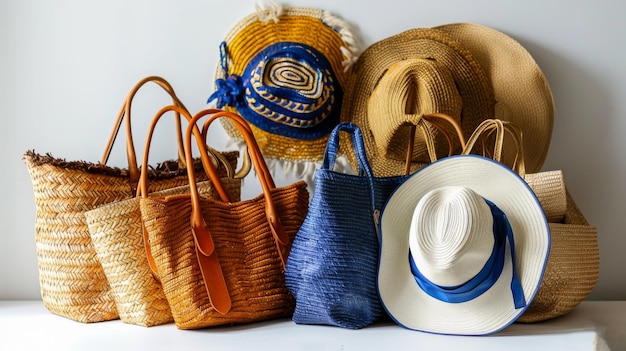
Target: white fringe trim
[
  {"x": 269, "y": 12},
  {"x": 351, "y": 50}
]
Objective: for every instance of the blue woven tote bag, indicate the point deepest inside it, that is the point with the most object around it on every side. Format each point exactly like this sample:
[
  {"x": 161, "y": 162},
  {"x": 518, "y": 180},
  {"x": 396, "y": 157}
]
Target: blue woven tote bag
[{"x": 332, "y": 267}]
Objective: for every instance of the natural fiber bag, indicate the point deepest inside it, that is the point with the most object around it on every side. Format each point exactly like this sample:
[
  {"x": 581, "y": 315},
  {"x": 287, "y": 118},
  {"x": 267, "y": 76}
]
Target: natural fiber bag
[
  {"x": 118, "y": 238},
  {"x": 572, "y": 270},
  {"x": 71, "y": 279},
  {"x": 332, "y": 267},
  {"x": 222, "y": 261}
]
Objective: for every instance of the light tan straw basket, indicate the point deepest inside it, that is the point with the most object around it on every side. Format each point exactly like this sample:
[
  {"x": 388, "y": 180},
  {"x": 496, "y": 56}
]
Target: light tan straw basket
[
  {"x": 117, "y": 234},
  {"x": 573, "y": 265},
  {"x": 71, "y": 279}
]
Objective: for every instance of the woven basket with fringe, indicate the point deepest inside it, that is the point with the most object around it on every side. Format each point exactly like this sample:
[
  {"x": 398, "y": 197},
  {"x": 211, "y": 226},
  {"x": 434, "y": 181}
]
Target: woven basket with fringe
[
  {"x": 71, "y": 279},
  {"x": 226, "y": 264},
  {"x": 118, "y": 238}
]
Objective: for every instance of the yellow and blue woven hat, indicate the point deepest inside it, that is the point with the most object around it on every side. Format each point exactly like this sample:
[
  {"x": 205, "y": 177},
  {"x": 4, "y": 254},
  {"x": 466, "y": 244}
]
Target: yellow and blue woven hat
[{"x": 284, "y": 71}]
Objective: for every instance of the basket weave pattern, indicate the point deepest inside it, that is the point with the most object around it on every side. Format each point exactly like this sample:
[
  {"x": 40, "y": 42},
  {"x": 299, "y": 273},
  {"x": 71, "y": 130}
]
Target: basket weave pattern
[
  {"x": 71, "y": 278},
  {"x": 246, "y": 250}
]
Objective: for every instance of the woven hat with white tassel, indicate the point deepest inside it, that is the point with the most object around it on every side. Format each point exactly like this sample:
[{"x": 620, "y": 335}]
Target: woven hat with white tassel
[{"x": 284, "y": 69}]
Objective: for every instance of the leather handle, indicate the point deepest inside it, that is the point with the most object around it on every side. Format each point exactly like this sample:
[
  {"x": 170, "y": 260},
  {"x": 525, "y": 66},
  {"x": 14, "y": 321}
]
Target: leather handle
[
  {"x": 261, "y": 169},
  {"x": 498, "y": 128},
  {"x": 211, "y": 157},
  {"x": 435, "y": 120},
  {"x": 125, "y": 112}
]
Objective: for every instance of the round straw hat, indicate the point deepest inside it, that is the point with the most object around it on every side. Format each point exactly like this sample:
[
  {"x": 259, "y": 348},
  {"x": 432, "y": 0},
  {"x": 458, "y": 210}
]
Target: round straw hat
[
  {"x": 464, "y": 245},
  {"x": 284, "y": 71},
  {"x": 399, "y": 79},
  {"x": 521, "y": 90}
]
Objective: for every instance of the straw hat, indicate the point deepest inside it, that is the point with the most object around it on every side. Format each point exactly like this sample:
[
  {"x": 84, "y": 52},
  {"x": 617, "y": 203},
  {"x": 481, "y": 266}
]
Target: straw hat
[
  {"x": 284, "y": 71},
  {"x": 464, "y": 245},
  {"x": 521, "y": 90},
  {"x": 467, "y": 71}
]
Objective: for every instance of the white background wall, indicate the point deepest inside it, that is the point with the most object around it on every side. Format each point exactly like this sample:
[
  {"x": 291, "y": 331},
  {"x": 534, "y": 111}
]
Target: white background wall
[{"x": 65, "y": 66}]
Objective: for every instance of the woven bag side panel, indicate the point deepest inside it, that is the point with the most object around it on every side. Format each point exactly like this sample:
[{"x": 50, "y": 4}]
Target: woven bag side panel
[
  {"x": 71, "y": 279},
  {"x": 244, "y": 245},
  {"x": 572, "y": 270},
  {"x": 333, "y": 264},
  {"x": 117, "y": 235}
]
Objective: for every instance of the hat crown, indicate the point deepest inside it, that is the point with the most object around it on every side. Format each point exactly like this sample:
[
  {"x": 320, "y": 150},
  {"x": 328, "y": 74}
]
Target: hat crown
[
  {"x": 425, "y": 87},
  {"x": 451, "y": 235}
]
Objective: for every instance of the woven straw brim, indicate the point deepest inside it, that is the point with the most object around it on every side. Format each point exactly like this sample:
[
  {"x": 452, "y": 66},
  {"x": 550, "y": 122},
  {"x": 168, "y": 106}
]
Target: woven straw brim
[
  {"x": 71, "y": 278},
  {"x": 521, "y": 90},
  {"x": 473, "y": 85},
  {"x": 117, "y": 236},
  {"x": 300, "y": 25},
  {"x": 572, "y": 270},
  {"x": 244, "y": 245}
]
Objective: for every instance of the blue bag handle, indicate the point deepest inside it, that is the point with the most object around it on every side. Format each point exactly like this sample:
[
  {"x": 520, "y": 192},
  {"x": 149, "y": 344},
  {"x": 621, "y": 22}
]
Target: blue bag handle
[{"x": 332, "y": 147}]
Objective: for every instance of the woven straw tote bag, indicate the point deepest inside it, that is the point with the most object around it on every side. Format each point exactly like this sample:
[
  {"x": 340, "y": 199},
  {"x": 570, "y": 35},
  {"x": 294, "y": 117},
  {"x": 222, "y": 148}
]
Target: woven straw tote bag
[
  {"x": 71, "y": 278},
  {"x": 222, "y": 261},
  {"x": 118, "y": 238},
  {"x": 573, "y": 266},
  {"x": 333, "y": 264}
]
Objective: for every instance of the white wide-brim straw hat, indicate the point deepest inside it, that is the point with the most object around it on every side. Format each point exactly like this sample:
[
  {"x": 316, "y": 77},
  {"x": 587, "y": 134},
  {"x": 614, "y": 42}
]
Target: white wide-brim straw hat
[{"x": 450, "y": 242}]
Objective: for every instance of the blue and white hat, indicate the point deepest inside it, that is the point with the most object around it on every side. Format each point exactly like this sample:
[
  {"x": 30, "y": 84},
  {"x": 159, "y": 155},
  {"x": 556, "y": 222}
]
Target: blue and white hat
[
  {"x": 284, "y": 71},
  {"x": 464, "y": 245}
]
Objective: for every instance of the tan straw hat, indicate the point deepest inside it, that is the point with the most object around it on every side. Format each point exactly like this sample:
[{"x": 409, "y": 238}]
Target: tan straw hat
[
  {"x": 464, "y": 246},
  {"x": 522, "y": 91},
  {"x": 284, "y": 70},
  {"x": 399, "y": 79},
  {"x": 420, "y": 71}
]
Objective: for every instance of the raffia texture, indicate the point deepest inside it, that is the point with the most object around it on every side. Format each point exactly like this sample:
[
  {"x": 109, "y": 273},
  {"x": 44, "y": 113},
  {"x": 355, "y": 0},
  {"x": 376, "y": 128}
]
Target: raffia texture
[
  {"x": 313, "y": 27},
  {"x": 71, "y": 278},
  {"x": 246, "y": 249},
  {"x": 572, "y": 270},
  {"x": 332, "y": 267},
  {"x": 117, "y": 236}
]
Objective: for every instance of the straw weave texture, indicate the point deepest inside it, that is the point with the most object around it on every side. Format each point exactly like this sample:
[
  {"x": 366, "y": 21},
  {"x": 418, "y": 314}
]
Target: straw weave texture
[
  {"x": 244, "y": 244},
  {"x": 299, "y": 25},
  {"x": 71, "y": 278},
  {"x": 572, "y": 270},
  {"x": 117, "y": 235}
]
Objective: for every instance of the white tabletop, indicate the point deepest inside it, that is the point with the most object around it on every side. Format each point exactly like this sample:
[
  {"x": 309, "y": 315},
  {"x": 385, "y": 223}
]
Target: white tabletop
[{"x": 27, "y": 325}]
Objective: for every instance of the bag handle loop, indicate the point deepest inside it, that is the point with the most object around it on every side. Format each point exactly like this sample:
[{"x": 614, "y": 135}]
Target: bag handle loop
[
  {"x": 498, "y": 127},
  {"x": 213, "y": 157},
  {"x": 205, "y": 247},
  {"x": 435, "y": 120},
  {"x": 125, "y": 111}
]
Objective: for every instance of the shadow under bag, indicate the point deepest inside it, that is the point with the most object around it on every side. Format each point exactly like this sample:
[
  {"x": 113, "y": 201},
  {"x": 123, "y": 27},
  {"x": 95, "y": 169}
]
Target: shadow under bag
[{"x": 332, "y": 266}]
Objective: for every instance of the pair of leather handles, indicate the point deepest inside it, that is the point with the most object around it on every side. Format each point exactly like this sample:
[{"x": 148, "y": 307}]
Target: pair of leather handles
[
  {"x": 125, "y": 112},
  {"x": 488, "y": 128}
]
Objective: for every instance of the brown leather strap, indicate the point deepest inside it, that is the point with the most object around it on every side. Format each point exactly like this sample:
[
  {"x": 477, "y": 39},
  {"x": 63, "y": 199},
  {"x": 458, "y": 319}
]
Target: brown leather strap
[
  {"x": 429, "y": 138},
  {"x": 209, "y": 262},
  {"x": 211, "y": 157},
  {"x": 125, "y": 111},
  {"x": 498, "y": 128}
]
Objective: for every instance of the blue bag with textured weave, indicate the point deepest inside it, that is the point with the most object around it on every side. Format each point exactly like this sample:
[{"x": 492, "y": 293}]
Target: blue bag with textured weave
[{"x": 332, "y": 267}]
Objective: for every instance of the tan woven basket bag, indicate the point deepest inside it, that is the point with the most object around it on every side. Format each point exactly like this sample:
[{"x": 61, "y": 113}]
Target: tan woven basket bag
[
  {"x": 71, "y": 278},
  {"x": 573, "y": 265},
  {"x": 118, "y": 237},
  {"x": 222, "y": 261}
]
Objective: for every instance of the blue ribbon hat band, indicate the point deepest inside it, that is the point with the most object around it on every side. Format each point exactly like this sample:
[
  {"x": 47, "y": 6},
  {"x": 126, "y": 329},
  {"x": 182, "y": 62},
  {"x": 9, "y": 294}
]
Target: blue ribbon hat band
[
  {"x": 487, "y": 276},
  {"x": 287, "y": 89}
]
